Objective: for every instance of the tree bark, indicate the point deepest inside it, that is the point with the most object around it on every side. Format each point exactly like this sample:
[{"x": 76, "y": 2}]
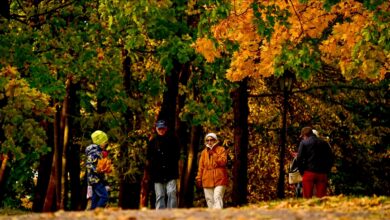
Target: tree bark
[
  {"x": 3, "y": 166},
  {"x": 240, "y": 166},
  {"x": 168, "y": 108},
  {"x": 73, "y": 156},
  {"x": 52, "y": 194},
  {"x": 64, "y": 136},
  {"x": 4, "y": 172},
  {"x": 43, "y": 172},
  {"x": 128, "y": 191},
  {"x": 188, "y": 176}
]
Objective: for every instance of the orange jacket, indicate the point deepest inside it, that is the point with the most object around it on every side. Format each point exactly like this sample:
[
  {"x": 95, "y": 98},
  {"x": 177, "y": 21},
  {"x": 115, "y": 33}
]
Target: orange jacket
[{"x": 212, "y": 170}]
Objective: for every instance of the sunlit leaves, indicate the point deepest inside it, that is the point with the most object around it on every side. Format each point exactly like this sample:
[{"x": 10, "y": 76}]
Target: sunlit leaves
[
  {"x": 287, "y": 24},
  {"x": 208, "y": 48}
]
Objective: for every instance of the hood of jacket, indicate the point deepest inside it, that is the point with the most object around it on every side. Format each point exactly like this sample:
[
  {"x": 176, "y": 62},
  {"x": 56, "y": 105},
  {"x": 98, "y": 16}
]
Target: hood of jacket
[{"x": 92, "y": 149}]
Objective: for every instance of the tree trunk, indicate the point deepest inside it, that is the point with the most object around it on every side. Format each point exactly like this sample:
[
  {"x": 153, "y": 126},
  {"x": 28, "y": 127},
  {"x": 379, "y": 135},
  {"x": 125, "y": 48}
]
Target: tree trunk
[
  {"x": 128, "y": 191},
  {"x": 168, "y": 108},
  {"x": 188, "y": 177},
  {"x": 240, "y": 166},
  {"x": 3, "y": 166},
  {"x": 73, "y": 156},
  {"x": 42, "y": 183},
  {"x": 64, "y": 137},
  {"x": 53, "y": 194},
  {"x": 43, "y": 172},
  {"x": 282, "y": 150},
  {"x": 184, "y": 137},
  {"x": 4, "y": 172}
]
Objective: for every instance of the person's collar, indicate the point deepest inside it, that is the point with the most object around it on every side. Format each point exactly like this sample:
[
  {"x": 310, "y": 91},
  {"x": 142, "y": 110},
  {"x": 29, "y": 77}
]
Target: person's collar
[{"x": 211, "y": 146}]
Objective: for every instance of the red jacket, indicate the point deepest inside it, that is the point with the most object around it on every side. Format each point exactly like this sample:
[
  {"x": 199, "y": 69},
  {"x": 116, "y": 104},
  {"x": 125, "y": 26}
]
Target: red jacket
[{"x": 212, "y": 170}]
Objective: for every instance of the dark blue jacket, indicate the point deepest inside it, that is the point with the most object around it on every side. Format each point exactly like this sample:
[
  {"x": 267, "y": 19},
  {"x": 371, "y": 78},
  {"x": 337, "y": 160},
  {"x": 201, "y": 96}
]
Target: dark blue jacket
[
  {"x": 93, "y": 153},
  {"x": 315, "y": 155}
]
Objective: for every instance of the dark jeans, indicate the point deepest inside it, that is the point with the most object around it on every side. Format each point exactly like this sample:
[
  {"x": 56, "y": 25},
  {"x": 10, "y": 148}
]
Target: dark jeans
[
  {"x": 298, "y": 190},
  {"x": 99, "y": 196}
]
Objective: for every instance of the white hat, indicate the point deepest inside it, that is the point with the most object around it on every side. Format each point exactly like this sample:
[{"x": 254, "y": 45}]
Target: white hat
[
  {"x": 315, "y": 132},
  {"x": 213, "y": 135}
]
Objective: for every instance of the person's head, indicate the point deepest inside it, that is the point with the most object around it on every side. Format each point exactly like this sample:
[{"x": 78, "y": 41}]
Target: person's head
[
  {"x": 210, "y": 139},
  {"x": 161, "y": 127},
  {"x": 306, "y": 132},
  {"x": 100, "y": 138}
]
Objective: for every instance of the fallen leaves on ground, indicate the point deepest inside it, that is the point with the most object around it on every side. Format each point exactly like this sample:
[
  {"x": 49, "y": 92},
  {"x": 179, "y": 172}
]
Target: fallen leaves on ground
[{"x": 334, "y": 207}]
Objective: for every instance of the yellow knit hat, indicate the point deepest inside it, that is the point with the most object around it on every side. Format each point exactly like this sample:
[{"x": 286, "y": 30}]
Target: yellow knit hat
[{"x": 99, "y": 137}]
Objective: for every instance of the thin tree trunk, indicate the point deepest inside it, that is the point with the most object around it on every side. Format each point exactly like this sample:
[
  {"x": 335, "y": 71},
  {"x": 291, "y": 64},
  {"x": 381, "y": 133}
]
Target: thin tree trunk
[
  {"x": 187, "y": 191},
  {"x": 168, "y": 108},
  {"x": 64, "y": 130},
  {"x": 240, "y": 166},
  {"x": 184, "y": 137},
  {"x": 43, "y": 171},
  {"x": 4, "y": 159},
  {"x": 74, "y": 150},
  {"x": 282, "y": 150},
  {"x": 52, "y": 194},
  {"x": 4, "y": 173},
  {"x": 129, "y": 192}
]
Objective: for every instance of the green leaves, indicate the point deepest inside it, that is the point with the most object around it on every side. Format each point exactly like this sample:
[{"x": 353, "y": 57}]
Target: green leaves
[
  {"x": 302, "y": 60},
  {"x": 273, "y": 14}
]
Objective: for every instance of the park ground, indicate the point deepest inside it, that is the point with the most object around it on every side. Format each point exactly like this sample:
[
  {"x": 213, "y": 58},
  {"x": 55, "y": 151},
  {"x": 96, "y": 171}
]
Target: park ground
[{"x": 334, "y": 207}]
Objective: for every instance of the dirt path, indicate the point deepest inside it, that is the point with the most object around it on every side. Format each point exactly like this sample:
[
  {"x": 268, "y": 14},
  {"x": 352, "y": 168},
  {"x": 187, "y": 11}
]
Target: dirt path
[
  {"x": 249, "y": 213},
  {"x": 332, "y": 208}
]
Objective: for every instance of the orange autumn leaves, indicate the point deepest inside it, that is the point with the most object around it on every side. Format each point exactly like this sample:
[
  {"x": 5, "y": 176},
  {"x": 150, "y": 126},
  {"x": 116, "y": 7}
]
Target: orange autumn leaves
[
  {"x": 339, "y": 33},
  {"x": 104, "y": 165}
]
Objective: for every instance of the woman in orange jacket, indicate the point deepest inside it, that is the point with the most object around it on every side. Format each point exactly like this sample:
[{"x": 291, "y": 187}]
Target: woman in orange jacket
[{"x": 212, "y": 171}]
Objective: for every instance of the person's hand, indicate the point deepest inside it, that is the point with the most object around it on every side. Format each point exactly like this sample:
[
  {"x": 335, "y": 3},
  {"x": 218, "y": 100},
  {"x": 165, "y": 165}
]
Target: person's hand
[{"x": 199, "y": 183}]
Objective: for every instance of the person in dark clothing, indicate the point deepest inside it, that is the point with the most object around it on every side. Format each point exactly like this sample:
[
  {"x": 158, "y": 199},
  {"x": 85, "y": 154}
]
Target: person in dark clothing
[
  {"x": 162, "y": 167},
  {"x": 314, "y": 162}
]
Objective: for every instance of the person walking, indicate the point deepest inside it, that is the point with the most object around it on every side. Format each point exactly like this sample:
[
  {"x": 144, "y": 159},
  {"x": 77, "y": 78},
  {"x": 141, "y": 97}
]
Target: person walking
[
  {"x": 97, "y": 167},
  {"x": 162, "y": 166},
  {"x": 212, "y": 172},
  {"x": 315, "y": 160},
  {"x": 89, "y": 187}
]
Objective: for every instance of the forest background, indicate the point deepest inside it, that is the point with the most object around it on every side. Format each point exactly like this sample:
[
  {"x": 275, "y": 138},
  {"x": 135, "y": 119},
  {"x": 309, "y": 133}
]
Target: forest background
[{"x": 254, "y": 72}]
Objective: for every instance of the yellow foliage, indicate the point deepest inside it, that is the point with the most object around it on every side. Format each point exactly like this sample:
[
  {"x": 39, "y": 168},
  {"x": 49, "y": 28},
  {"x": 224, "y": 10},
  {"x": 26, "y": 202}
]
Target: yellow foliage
[
  {"x": 256, "y": 55},
  {"x": 9, "y": 71},
  {"x": 26, "y": 203},
  {"x": 207, "y": 49},
  {"x": 100, "y": 53}
]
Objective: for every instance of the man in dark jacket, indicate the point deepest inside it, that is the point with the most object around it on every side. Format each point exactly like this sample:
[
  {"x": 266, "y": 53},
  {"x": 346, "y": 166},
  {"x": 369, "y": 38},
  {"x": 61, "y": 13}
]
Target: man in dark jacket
[
  {"x": 314, "y": 162},
  {"x": 162, "y": 166}
]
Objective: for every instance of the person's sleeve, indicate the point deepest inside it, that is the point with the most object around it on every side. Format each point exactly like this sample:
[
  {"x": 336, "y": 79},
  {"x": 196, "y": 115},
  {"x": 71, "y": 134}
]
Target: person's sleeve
[
  {"x": 91, "y": 162},
  {"x": 301, "y": 158},
  {"x": 220, "y": 157},
  {"x": 200, "y": 168}
]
